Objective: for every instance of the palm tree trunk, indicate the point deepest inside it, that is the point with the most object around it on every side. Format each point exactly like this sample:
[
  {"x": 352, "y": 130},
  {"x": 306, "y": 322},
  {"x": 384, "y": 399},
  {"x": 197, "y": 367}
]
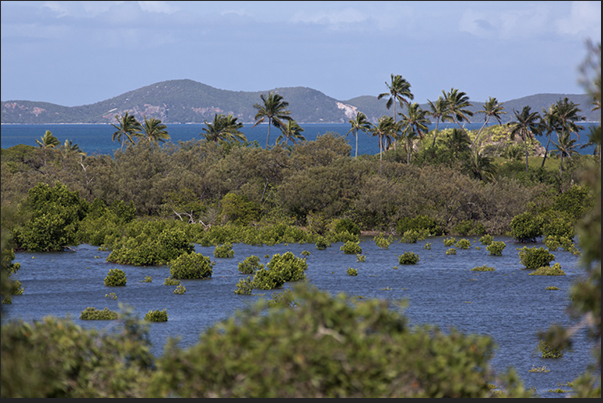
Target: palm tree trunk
[
  {"x": 525, "y": 142},
  {"x": 268, "y": 137},
  {"x": 479, "y": 132},
  {"x": 356, "y": 135},
  {"x": 435, "y": 134},
  {"x": 546, "y": 151}
]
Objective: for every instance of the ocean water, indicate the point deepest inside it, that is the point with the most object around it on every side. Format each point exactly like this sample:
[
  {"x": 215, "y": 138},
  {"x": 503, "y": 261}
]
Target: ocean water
[{"x": 95, "y": 139}]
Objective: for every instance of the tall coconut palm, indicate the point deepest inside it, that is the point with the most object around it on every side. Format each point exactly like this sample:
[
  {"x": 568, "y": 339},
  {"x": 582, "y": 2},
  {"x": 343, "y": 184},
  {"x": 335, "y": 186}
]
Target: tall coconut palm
[
  {"x": 565, "y": 148},
  {"x": 457, "y": 103},
  {"x": 399, "y": 90},
  {"x": 457, "y": 143},
  {"x": 385, "y": 129},
  {"x": 527, "y": 124},
  {"x": 439, "y": 111},
  {"x": 360, "y": 122},
  {"x": 154, "y": 131},
  {"x": 549, "y": 124},
  {"x": 71, "y": 149},
  {"x": 594, "y": 139},
  {"x": 274, "y": 109},
  {"x": 291, "y": 131},
  {"x": 409, "y": 134},
  {"x": 492, "y": 109},
  {"x": 225, "y": 128},
  {"x": 416, "y": 119},
  {"x": 48, "y": 140},
  {"x": 567, "y": 114},
  {"x": 127, "y": 126}
]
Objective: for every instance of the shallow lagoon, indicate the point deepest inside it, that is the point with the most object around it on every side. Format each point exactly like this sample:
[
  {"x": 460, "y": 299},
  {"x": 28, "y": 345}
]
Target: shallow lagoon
[{"x": 507, "y": 304}]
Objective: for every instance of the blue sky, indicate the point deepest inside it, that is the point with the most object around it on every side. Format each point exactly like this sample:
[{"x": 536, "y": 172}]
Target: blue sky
[{"x": 77, "y": 53}]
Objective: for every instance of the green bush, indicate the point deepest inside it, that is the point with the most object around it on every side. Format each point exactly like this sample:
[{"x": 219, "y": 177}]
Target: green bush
[
  {"x": 96, "y": 314},
  {"x": 351, "y": 248},
  {"x": 463, "y": 244},
  {"x": 322, "y": 243},
  {"x": 483, "y": 268},
  {"x": 526, "y": 227},
  {"x": 267, "y": 280},
  {"x": 360, "y": 258},
  {"x": 148, "y": 279},
  {"x": 451, "y": 251},
  {"x": 468, "y": 227},
  {"x": 557, "y": 223},
  {"x": 250, "y": 265},
  {"x": 283, "y": 299},
  {"x": 288, "y": 266},
  {"x": 224, "y": 251},
  {"x": 191, "y": 266},
  {"x": 554, "y": 270},
  {"x": 346, "y": 224},
  {"x": 180, "y": 289},
  {"x": 383, "y": 242},
  {"x": 408, "y": 258},
  {"x": 244, "y": 287},
  {"x": 427, "y": 246},
  {"x": 533, "y": 258},
  {"x": 412, "y": 236},
  {"x": 305, "y": 253},
  {"x": 156, "y": 316},
  {"x": 351, "y": 272},
  {"x": 552, "y": 287},
  {"x": 449, "y": 241},
  {"x": 171, "y": 281},
  {"x": 486, "y": 239},
  {"x": 548, "y": 351},
  {"x": 418, "y": 223},
  {"x": 328, "y": 346},
  {"x": 116, "y": 278},
  {"x": 496, "y": 248},
  {"x": 552, "y": 242}
]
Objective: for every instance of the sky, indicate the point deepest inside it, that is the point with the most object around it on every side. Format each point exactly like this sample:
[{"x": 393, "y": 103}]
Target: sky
[{"x": 78, "y": 53}]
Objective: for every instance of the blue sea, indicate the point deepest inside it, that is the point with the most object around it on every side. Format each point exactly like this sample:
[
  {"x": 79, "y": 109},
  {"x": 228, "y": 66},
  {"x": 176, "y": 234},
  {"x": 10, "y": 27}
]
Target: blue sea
[{"x": 95, "y": 139}]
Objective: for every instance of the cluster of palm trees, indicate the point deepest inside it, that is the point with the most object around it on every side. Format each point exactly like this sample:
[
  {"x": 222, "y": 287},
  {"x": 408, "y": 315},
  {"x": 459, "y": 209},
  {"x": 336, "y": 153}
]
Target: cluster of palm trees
[
  {"x": 49, "y": 142},
  {"x": 452, "y": 106},
  {"x": 128, "y": 129}
]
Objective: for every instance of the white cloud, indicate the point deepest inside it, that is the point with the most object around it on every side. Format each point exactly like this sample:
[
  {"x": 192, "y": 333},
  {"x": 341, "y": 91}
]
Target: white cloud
[
  {"x": 158, "y": 7},
  {"x": 584, "y": 18}
]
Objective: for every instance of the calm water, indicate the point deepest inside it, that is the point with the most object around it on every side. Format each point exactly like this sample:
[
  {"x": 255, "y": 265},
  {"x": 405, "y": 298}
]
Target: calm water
[
  {"x": 507, "y": 304},
  {"x": 96, "y": 138}
]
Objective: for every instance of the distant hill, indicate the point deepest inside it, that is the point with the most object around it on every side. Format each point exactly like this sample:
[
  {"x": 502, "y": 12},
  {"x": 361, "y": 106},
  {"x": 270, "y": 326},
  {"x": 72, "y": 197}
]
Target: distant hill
[{"x": 188, "y": 101}]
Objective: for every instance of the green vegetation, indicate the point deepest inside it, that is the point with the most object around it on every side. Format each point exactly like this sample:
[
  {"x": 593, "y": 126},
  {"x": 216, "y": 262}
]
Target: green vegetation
[
  {"x": 554, "y": 270},
  {"x": 451, "y": 251},
  {"x": 250, "y": 265},
  {"x": 96, "y": 314},
  {"x": 352, "y": 272},
  {"x": 552, "y": 288},
  {"x": 449, "y": 241},
  {"x": 171, "y": 281},
  {"x": 486, "y": 239},
  {"x": 427, "y": 246},
  {"x": 156, "y": 316},
  {"x": 383, "y": 242},
  {"x": 191, "y": 266},
  {"x": 148, "y": 279},
  {"x": 179, "y": 290},
  {"x": 224, "y": 251},
  {"x": 549, "y": 351},
  {"x": 463, "y": 244},
  {"x": 288, "y": 267},
  {"x": 116, "y": 278},
  {"x": 360, "y": 258},
  {"x": 534, "y": 258},
  {"x": 351, "y": 248},
  {"x": 542, "y": 369},
  {"x": 496, "y": 248},
  {"x": 408, "y": 258},
  {"x": 483, "y": 268}
]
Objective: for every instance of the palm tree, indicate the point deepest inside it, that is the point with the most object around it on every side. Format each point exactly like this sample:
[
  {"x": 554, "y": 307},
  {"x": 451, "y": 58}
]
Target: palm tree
[
  {"x": 594, "y": 139},
  {"x": 385, "y": 129},
  {"x": 416, "y": 119},
  {"x": 360, "y": 122},
  {"x": 127, "y": 127},
  {"x": 399, "y": 90},
  {"x": 457, "y": 143},
  {"x": 566, "y": 113},
  {"x": 457, "y": 104},
  {"x": 528, "y": 123},
  {"x": 492, "y": 109},
  {"x": 275, "y": 109},
  {"x": 71, "y": 149},
  {"x": 549, "y": 124},
  {"x": 291, "y": 131},
  {"x": 409, "y": 134},
  {"x": 480, "y": 166},
  {"x": 48, "y": 140},
  {"x": 439, "y": 111},
  {"x": 154, "y": 131},
  {"x": 566, "y": 147},
  {"x": 224, "y": 128}
]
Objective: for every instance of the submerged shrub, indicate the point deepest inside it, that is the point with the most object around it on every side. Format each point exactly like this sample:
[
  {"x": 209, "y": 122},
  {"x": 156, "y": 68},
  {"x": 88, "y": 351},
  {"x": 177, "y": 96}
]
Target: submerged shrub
[
  {"x": 552, "y": 242},
  {"x": 180, "y": 289},
  {"x": 360, "y": 258},
  {"x": 526, "y": 227},
  {"x": 283, "y": 299},
  {"x": 244, "y": 287},
  {"x": 351, "y": 248},
  {"x": 224, "y": 251},
  {"x": 449, "y": 241},
  {"x": 148, "y": 279},
  {"x": 156, "y": 316},
  {"x": 96, "y": 314},
  {"x": 410, "y": 236},
  {"x": 383, "y": 242},
  {"x": 548, "y": 351},
  {"x": 352, "y": 272},
  {"x": 267, "y": 279},
  {"x": 427, "y": 246},
  {"x": 483, "y": 268},
  {"x": 554, "y": 270},
  {"x": 533, "y": 258},
  {"x": 552, "y": 287},
  {"x": 496, "y": 248},
  {"x": 322, "y": 243},
  {"x": 288, "y": 266},
  {"x": 250, "y": 265},
  {"x": 463, "y": 244},
  {"x": 345, "y": 224},
  {"x": 486, "y": 239},
  {"x": 116, "y": 278},
  {"x": 451, "y": 251},
  {"x": 305, "y": 253},
  {"x": 191, "y": 266},
  {"x": 111, "y": 295},
  {"x": 408, "y": 258},
  {"x": 171, "y": 281}
]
